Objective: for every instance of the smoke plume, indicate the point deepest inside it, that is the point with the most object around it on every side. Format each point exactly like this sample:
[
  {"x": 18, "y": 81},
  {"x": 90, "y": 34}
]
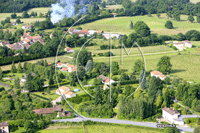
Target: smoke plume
[{"x": 67, "y": 8}]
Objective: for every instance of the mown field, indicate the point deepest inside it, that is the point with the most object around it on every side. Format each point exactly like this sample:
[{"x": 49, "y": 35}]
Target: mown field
[
  {"x": 185, "y": 66},
  {"x": 121, "y": 24}
]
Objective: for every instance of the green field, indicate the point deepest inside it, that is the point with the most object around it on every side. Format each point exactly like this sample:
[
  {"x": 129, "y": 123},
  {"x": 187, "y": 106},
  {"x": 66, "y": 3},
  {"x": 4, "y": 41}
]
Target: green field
[
  {"x": 49, "y": 60},
  {"x": 104, "y": 129},
  {"x": 121, "y": 25},
  {"x": 27, "y": 20},
  {"x": 185, "y": 66}
]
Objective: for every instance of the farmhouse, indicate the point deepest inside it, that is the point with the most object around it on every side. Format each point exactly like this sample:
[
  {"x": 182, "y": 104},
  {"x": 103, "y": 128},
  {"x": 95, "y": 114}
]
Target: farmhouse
[
  {"x": 181, "y": 45},
  {"x": 56, "y": 108},
  {"x": 4, "y": 127},
  {"x": 172, "y": 116},
  {"x": 71, "y": 68},
  {"x": 158, "y": 74},
  {"x": 105, "y": 80},
  {"x": 27, "y": 27},
  {"x": 69, "y": 50},
  {"x": 65, "y": 91}
]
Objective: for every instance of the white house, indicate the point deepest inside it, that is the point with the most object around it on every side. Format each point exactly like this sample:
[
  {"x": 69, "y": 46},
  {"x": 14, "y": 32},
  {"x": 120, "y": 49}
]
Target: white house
[
  {"x": 188, "y": 44},
  {"x": 111, "y": 35},
  {"x": 4, "y": 127},
  {"x": 91, "y": 32},
  {"x": 158, "y": 74},
  {"x": 172, "y": 116},
  {"x": 69, "y": 50}
]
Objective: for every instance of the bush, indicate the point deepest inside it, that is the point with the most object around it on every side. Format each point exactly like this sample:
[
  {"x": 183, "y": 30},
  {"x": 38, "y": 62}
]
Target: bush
[
  {"x": 169, "y": 25},
  {"x": 108, "y": 54}
]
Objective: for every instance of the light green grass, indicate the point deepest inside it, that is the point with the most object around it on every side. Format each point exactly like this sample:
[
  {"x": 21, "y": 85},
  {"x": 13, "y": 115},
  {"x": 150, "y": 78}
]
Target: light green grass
[
  {"x": 39, "y": 10},
  {"x": 111, "y": 7},
  {"x": 119, "y": 129},
  {"x": 49, "y": 60},
  {"x": 121, "y": 24},
  {"x": 186, "y": 66},
  {"x": 27, "y": 20},
  {"x": 75, "y": 130}
]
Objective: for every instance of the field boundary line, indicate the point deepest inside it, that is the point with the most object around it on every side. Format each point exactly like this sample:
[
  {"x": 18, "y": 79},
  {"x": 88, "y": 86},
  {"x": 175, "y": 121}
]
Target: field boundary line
[{"x": 137, "y": 55}]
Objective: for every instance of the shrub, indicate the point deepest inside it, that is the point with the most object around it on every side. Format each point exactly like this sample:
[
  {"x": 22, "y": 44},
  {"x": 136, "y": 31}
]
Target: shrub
[{"x": 169, "y": 25}]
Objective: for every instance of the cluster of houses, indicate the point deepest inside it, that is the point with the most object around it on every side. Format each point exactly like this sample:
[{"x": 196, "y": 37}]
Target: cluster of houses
[
  {"x": 158, "y": 74},
  {"x": 182, "y": 45},
  {"x": 81, "y": 33},
  {"x": 56, "y": 108},
  {"x": 26, "y": 41},
  {"x": 65, "y": 67},
  {"x": 174, "y": 116}
]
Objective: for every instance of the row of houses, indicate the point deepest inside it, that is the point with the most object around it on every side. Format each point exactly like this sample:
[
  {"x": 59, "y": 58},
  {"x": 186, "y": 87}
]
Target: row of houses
[
  {"x": 26, "y": 41},
  {"x": 81, "y": 33}
]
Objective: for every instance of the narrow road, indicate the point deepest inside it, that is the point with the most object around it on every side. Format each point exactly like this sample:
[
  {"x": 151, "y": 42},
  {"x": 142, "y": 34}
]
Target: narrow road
[{"x": 146, "y": 124}]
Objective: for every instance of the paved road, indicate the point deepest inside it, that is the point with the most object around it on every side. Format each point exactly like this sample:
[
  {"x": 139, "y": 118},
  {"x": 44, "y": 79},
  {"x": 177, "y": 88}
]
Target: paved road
[{"x": 146, "y": 124}]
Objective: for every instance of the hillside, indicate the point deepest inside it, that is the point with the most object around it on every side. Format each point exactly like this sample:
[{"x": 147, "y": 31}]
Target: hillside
[{"x": 121, "y": 24}]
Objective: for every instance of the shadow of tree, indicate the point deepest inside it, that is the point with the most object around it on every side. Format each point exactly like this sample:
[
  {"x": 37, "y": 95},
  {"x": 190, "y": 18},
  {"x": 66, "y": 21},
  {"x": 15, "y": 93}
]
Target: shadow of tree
[{"x": 177, "y": 70}]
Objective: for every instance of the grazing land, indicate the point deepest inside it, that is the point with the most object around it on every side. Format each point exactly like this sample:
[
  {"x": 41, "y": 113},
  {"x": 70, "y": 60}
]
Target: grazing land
[
  {"x": 157, "y": 25},
  {"x": 184, "y": 65},
  {"x": 40, "y": 10}
]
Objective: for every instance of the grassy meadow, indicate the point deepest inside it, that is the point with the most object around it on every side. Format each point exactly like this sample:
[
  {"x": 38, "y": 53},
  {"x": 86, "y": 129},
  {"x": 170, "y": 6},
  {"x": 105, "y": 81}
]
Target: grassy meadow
[
  {"x": 157, "y": 25},
  {"x": 184, "y": 66},
  {"x": 49, "y": 60}
]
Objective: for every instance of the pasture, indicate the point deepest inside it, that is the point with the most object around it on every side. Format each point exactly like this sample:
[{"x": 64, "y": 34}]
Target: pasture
[
  {"x": 185, "y": 66},
  {"x": 157, "y": 25},
  {"x": 27, "y": 20}
]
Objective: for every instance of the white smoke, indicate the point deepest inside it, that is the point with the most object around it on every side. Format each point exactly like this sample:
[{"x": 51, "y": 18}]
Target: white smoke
[{"x": 66, "y": 8}]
